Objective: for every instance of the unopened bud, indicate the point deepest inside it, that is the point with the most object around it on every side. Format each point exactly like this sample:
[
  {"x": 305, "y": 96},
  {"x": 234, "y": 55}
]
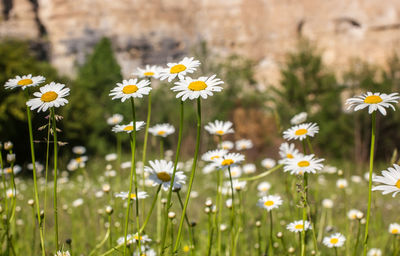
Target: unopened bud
[
  {"x": 258, "y": 223},
  {"x": 8, "y": 145},
  {"x": 31, "y": 202},
  {"x": 208, "y": 203},
  {"x": 109, "y": 210},
  {"x": 10, "y": 158},
  {"x": 279, "y": 235},
  {"x": 171, "y": 215}
]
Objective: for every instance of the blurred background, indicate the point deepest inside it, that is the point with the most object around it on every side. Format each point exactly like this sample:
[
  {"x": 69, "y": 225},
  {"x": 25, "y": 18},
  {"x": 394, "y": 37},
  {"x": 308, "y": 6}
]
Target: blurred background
[{"x": 277, "y": 58}]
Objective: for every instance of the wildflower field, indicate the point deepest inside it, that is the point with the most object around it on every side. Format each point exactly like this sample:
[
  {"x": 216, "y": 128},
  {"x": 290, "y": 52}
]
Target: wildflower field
[{"x": 145, "y": 195}]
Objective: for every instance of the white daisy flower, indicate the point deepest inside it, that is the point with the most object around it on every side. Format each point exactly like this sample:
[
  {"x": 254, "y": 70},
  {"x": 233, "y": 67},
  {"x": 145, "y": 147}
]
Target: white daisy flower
[
  {"x": 335, "y": 240},
  {"x": 270, "y": 202},
  {"x": 219, "y": 127},
  {"x": 374, "y": 252},
  {"x": 390, "y": 180},
  {"x": 180, "y": 69},
  {"x": 299, "y": 118},
  {"x": 146, "y": 252},
  {"x": 287, "y": 150},
  {"x": 327, "y": 203},
  {"x": 297, "y": 226},
  {"x": 243, "y": 144},
  {"x": 356, "y": 179},
  {"x": 126, "y": 165},
  {"x": 329, "y": 169},
  {"x": 15, "y": 170},
  {"x": 249, "y": 168},
  {"x": 211, "y": 155},
  {"x": 366, "y": 176},
  {"x": 228, "y": 145},
  {"x": 236, "y": 172},
  {"x": 209, "y": 168},
  {"x": 301, "y": 131},
  {"x": 162, "y": 130},
  {"x": 79, "y": 161},
  {"x": 148, "y": 71},
  {"x": 51, "y": 95},
  {"x": 133, "y": 196},
  {"x": 39, "y": 167},
  {"x": 303, "y": 164},
  {"x": 130, "y": 89},
  {"x": 195, "y": 88},
  {"x": 115, "y": 119},
  {"x": 342, "y": 183},
  {"x": 128, "y": 128},
  {"x": 11, "y": 193},
  {"x": 143, "y": 238},
  {"x": 111, "y": 157},
  {"x": 238, "y": 185},
  {"x": 268, "y": 163},
  {"x": 78, "y": 202},
  {"x": 374, "y": 101},
  {"x": 263, "y": 187},
  {"x": 355, "y": 214},
  {"x": 394, "y": 228},
  {"x": 62, "y": 253},
  {"x": 161, "y": 174},
  {"x": 79, "y": 150},
  {"x": 229, "y": 160},
  {"x": 24, "y": 81}
]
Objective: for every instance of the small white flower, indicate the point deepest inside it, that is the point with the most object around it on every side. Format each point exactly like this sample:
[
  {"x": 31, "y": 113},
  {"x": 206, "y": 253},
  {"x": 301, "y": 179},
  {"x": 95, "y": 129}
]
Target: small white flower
[
  {"x": 335, "y": 240},
  {"x": 298, "y": 226},
  {"x": 270, "y": 202},
  {"x": 148, "y": 71},
  {"x": 244, "y": 144},
  {"x": 236, "y": 172},
  {"x": 180, "y": 69},
  {"x": 209, "y": 168},
  {"x": 355, "y": 214},
  {"x": 263, "y": 187},
  {"x": 79, "y": 150},
  {"x": 130, "y": 89},
  {"x": 394, "y": 229},
  {"x": 341, "y": 183},
  {"x": 126, "y": 165},
  {"x": 299, "y": 118},
  {"x": 115, "y": 119},
  {"x": 287, "y": 150},
  {"x": 161, "y": 174},
  {"x": 77, "y": 202},
  {"x": 374, "y": 252},
  {"x": 128, "y": 128},
  {"x": 249, "y": 168},
  {"x": 238, "y": 185},
  {"x": 194, "y": 88},
  {"x": 227, "y": 145},
  {"x": 390, "y": 180},
  {"x": 219, "y": 127},
  {"x": 162, "y": 130},
  {"x": 62, "y": 253},
  {"x": 211, "y": 155},
  {"x": 300, "y": 132},
  {"x": 374, "y": 101},
  {"x": 229, "y": 160},
  {"x": 111, "y": 157},
  {"x": 24, "y": 81},
  {"x": 133, "y": 196},
  {"x": 51, "y": 95},
  {"x": 327, "y": 203},
  {"x": 303, "y": 164},
  {"x": 268, "y": 163}
]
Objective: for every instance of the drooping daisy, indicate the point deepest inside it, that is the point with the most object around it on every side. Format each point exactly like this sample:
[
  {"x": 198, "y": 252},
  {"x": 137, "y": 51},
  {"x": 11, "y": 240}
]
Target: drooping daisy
[
  {"x": 229, "y": 160},
  {"x": 303, "y": 164},
  {"x": 355, "y": 214},
  {"x": 335, "y": 240},
  {"x": 62, "y": 253},
  {"x": 133, "y": 196},
  {"x": 180, "y": 69},
  {"x": 50, "y": 95},
  {"x": 128, "y": 128},
  {"x": 297, "y": 226},
  {"x": 299, "y": 118},
  {"x": 79, "y": 150},
  {"x": 24, "y": 81},
  {"x": 243, "y": 144},
  {"x": 342, "y": 183},
  {"x": 390, "y": 179},
  {"x": 263, "y": 187},
  {"x": 228, "y": 145},
  {"x": 194, "y": 88},
  {"x": 374, "y": 252},
  {"x": 374, "y": 101},
  {"x": 211, "y": 155},
  {"x": 161, "y": 174},
  {"x": 270, "y": 202},
  {"x": 162, "y": 130},
  {"x": 394, "y": 228},
  {"x": 131, "y": 88},
  {"x": 268, "y": 163},
  {"x": 249, "y": 168},
  {"x": 115, "y": 119},
  {"x": 148, "y": 71},
  {"x": 219, "y": 127},
  {"x": 300, "y": 132}
]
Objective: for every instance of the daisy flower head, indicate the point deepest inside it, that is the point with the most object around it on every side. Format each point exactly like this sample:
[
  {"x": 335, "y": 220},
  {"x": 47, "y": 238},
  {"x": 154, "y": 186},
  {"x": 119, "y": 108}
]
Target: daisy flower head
[
  {"x": 133, "y": 196},
  {"x": 327, "y": 203},
  {"x": 128, "y": 128},
  {"x": 268, "y": 163},
  {"x": 179, "y": 69},
  {"x": 374, "y": 252},
  {"x": 211, "y": 155},
  {"x": 298, "y": 226},
  {"x": 243, "y": 144},
  {"x": 24, "y": 81},
  {"x": 79, "y": 150},
  {"x": 394, "y": 228},
  {"x": 301, "y": 131},
  {"x": 229, "y": 160},
  {"x": 148, "y": 72},
  {"x": 131, "y": 88},
  {"x": 194, "y": 88},
  {"x": 51, "y": 95},
  {"x": 342, "y": 183},
  {"x": 390, "y": 179},
  {"x": 115, "y": 119},
  {"x": 355, "y": 214},
  {"x": 270, "y": 202},
  {"x": 287, "y": 150},
  {"x": 335, "y": 240},
  {"x": 209, "y": 168},
  {"x": 263, "y": 187},
  {"x": 238, "y": 185},
  {"x": 62, "y": 253},
  {"x": 374, "y": 101},
  {"x": 299, "y": 118},
  {"x": 143, "y": 238},
  {"x": 236, "y": 172},
  {"x": 249, "y": 168},
  {"x": 162, "y": 130},
  {"x": 161, "y": 174},
  {"x": 303, "y": 164},
  {"x": 146, "y": 252},
  {"x": 228, "y": 145},
  {"x": 219, "y": 127}
]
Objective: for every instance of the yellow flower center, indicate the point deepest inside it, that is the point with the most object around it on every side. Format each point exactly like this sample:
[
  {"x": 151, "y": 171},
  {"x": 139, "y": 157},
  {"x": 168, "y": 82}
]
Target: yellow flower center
[
  {"x": 300, "y": 132},
  {"x": 395, "y": 231},
  {"x": 398, "y": 184},
  {"x": 341, "y": 185},
  {"x": 133, "y": 196},
  {"x": 373, "y": 99},
  {"x": 303, "y": 163},
  {"x": 128, "y": 128},
  {"x": 227, "y": 162},
  {"x": 186, "y": 248},
  {"x": 165, "y": 177},
  {"x": 177, "y": 69},
  {"x": 78, "y": 160},
  {"x": 148, "y": 73},
  {"x": 289, "y": 155},
  {"x": 334, "y": 240},
  {"x": 49, "y": 96},
  {"x": 128, "y": 89},
  {"x": 161, "y": 132},
  {"x": 137, "y": 237},
  {"x": 299, "y": 226},
  {"x": 24, "y": 82},
  {"x": 197, "y": 86},
  {"x": 214, "y": 157},
  {"x": 269, "y": 203},
  {"x": 219, "y": 132},
  {"x": 8, "y": 170}
]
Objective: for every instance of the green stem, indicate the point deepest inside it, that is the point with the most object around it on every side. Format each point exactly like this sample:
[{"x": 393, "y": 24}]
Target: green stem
[
  {"x": 161, "y": 148},
  {"x": 210, "y": 233},
  {"x": 168, "y": 205},
  {"x": 271, "y": 244},
  {"x": 196, "y": 153},
  {"x": 303, "y": 232},
  {"x": 151, "y": 209},
  {"x": 232, "y": 213},
  {"x": 110, "y": 232},
  {"x": 6, "y": 222},
  {"x": 219, "y": 211},
  {"x": 146, "y": 136},
  {"x": 191, "y": 234},
  {"x": 119, "y": 149},
  {"x": 259, "y": 240},
  {"x": 371, "y": 167},
  {"x": 55, "y": 178},
  {"x": 357, "y": 239},
  {"x": 46, "y": 174}
]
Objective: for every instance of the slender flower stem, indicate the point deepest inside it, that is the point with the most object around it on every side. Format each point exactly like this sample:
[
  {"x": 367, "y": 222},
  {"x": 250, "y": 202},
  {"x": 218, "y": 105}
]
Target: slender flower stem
[
  {"x": 191, "y": 233},
  {"x": 55, "y": 178},
  {"x": 232, "y": 213},
  {"x": 371, "y": 167},
  {"x": 119, "y": 149},
  {"x": 146, "y": 136},
  {"x": 46, "y": 174},
  {"x": 210, "y": 233},
  {"x": 303, "y": 232},
  {"x": 110, "y": 231},
  {"x": 196, "y": 153},
  {"x": 168, "y": 205},
  {"x": 6, "y": 223},
  {"x": 151, "y": 209},
  {"x": 259, "y": 241},
  {"x": 219, "y": 211},
  {"x": 357, "y": 239},
  {"x": 271, "y": 244},
  {"x": 336, "y": 252}
]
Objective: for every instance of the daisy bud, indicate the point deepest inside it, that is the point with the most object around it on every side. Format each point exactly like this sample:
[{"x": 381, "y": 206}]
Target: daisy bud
[
  {"x": 10, "y": 158},
  {"x": 207, "y": 210},
  {"x": 291, "y": 250},
  {"x": 8, "y": 145},
  {"x": 171, "y": 215},
  {"x": 213, "y": 209},
  {"x": 208, "y": 203},
  {"x": 258, "y": 223},
  {"x": 41, "y": 214},
  {"x": 31, "y": 202},
  {"x": 108, "y": 167},
  {"x": 276, "y": 245},
  {"x": 1, "y": 209},
  {"x": 313, "y": 252},
  {"x": 163, "y": 201},
  {"x": 363, "y": 221},
  {"x": 360, "y": 215},
  {"x": 106, "y": 188},
  {"x": 193, "y": 224},
  {"x": 222, "y": 227},
  {"x": 109, "y": 210},
  {"x": 18, "y": 208},
  {"x": 68, "y": 241},
  {"x": 279, "y": 235},
  {"x": 340, "y": 172}
]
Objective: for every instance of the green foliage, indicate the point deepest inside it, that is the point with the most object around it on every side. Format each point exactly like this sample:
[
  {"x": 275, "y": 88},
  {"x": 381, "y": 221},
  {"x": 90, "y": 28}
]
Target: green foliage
[{"x": 89, "y": 101}]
